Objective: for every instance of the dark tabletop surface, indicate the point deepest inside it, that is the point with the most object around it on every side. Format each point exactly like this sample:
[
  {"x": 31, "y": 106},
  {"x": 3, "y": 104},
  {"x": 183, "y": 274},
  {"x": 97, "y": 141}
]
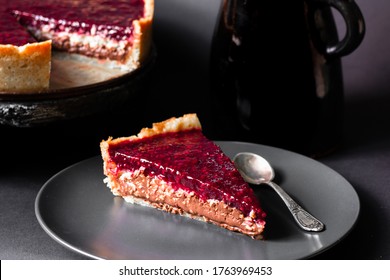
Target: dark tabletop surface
[{"x": 30, "y": 156}]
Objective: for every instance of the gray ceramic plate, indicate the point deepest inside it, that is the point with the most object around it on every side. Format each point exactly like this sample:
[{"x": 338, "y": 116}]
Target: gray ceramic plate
[{"x": 76, "y": 209}]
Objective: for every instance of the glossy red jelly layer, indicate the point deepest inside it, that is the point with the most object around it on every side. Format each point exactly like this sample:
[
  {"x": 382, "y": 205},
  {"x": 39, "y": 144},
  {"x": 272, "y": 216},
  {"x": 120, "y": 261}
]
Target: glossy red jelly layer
[
  {"x": 189, "y": 161},
  {"x": 11, "y": 32},
  {"x": 109, "y": 19}
]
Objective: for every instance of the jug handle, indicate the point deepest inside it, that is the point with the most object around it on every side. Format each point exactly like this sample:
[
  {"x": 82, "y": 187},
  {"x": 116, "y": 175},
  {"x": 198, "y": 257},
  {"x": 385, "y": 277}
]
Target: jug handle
[{"x": 355, "y": 26}]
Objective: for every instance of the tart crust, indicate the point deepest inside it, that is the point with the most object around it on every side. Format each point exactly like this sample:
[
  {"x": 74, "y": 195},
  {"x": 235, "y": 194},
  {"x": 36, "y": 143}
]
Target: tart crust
[{"x": 25, "y": 68}]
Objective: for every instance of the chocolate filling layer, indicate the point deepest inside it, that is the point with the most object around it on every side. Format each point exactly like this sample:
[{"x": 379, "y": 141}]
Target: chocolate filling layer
[{"x": 151, "y": 191}]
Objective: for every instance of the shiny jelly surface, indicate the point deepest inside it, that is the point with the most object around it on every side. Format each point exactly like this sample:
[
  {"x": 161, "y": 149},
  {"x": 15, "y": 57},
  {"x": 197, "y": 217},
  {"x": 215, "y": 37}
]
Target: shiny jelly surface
[
  {"x": 11, "y": 32},
  {"x": 190, "y": 161},
  {"x": 111, "y": 19}
]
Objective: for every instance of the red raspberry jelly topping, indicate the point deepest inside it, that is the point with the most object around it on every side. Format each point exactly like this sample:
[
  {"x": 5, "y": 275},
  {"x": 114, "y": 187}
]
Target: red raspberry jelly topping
[
  {"x": 11, "y": 32},
  {"x": 188, "y": 160},
  {"x": 109, "y": 19}
]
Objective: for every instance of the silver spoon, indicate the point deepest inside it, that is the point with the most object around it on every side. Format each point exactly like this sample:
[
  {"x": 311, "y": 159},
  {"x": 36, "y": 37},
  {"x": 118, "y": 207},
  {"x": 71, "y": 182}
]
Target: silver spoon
[{"x": 256, "y": 170}]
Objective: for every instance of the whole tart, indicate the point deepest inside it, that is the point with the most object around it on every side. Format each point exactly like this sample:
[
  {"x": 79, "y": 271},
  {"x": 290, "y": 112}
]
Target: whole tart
[
  {"x": 174, "y": 167},
  {"x": 117, "y": 33}
]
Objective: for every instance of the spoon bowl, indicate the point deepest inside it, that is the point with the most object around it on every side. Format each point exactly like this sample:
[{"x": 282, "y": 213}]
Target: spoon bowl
[
  {"x": 257, "y": 170},
  {"x": 254, "y": 168}
]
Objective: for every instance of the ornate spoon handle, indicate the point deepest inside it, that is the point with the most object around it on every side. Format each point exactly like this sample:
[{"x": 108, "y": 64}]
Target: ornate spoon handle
[{"x": 304, "y": 219}]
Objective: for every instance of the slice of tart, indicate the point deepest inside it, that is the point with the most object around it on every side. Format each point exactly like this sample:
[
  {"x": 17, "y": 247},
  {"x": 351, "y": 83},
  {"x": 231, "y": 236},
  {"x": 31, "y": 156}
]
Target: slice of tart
[{"x": 174, "y": 167}]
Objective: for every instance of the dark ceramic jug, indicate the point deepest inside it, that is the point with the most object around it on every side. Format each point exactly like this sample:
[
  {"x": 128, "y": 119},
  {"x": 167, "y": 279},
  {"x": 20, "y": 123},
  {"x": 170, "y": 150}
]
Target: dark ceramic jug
[{"x": 276, "y": 76}]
